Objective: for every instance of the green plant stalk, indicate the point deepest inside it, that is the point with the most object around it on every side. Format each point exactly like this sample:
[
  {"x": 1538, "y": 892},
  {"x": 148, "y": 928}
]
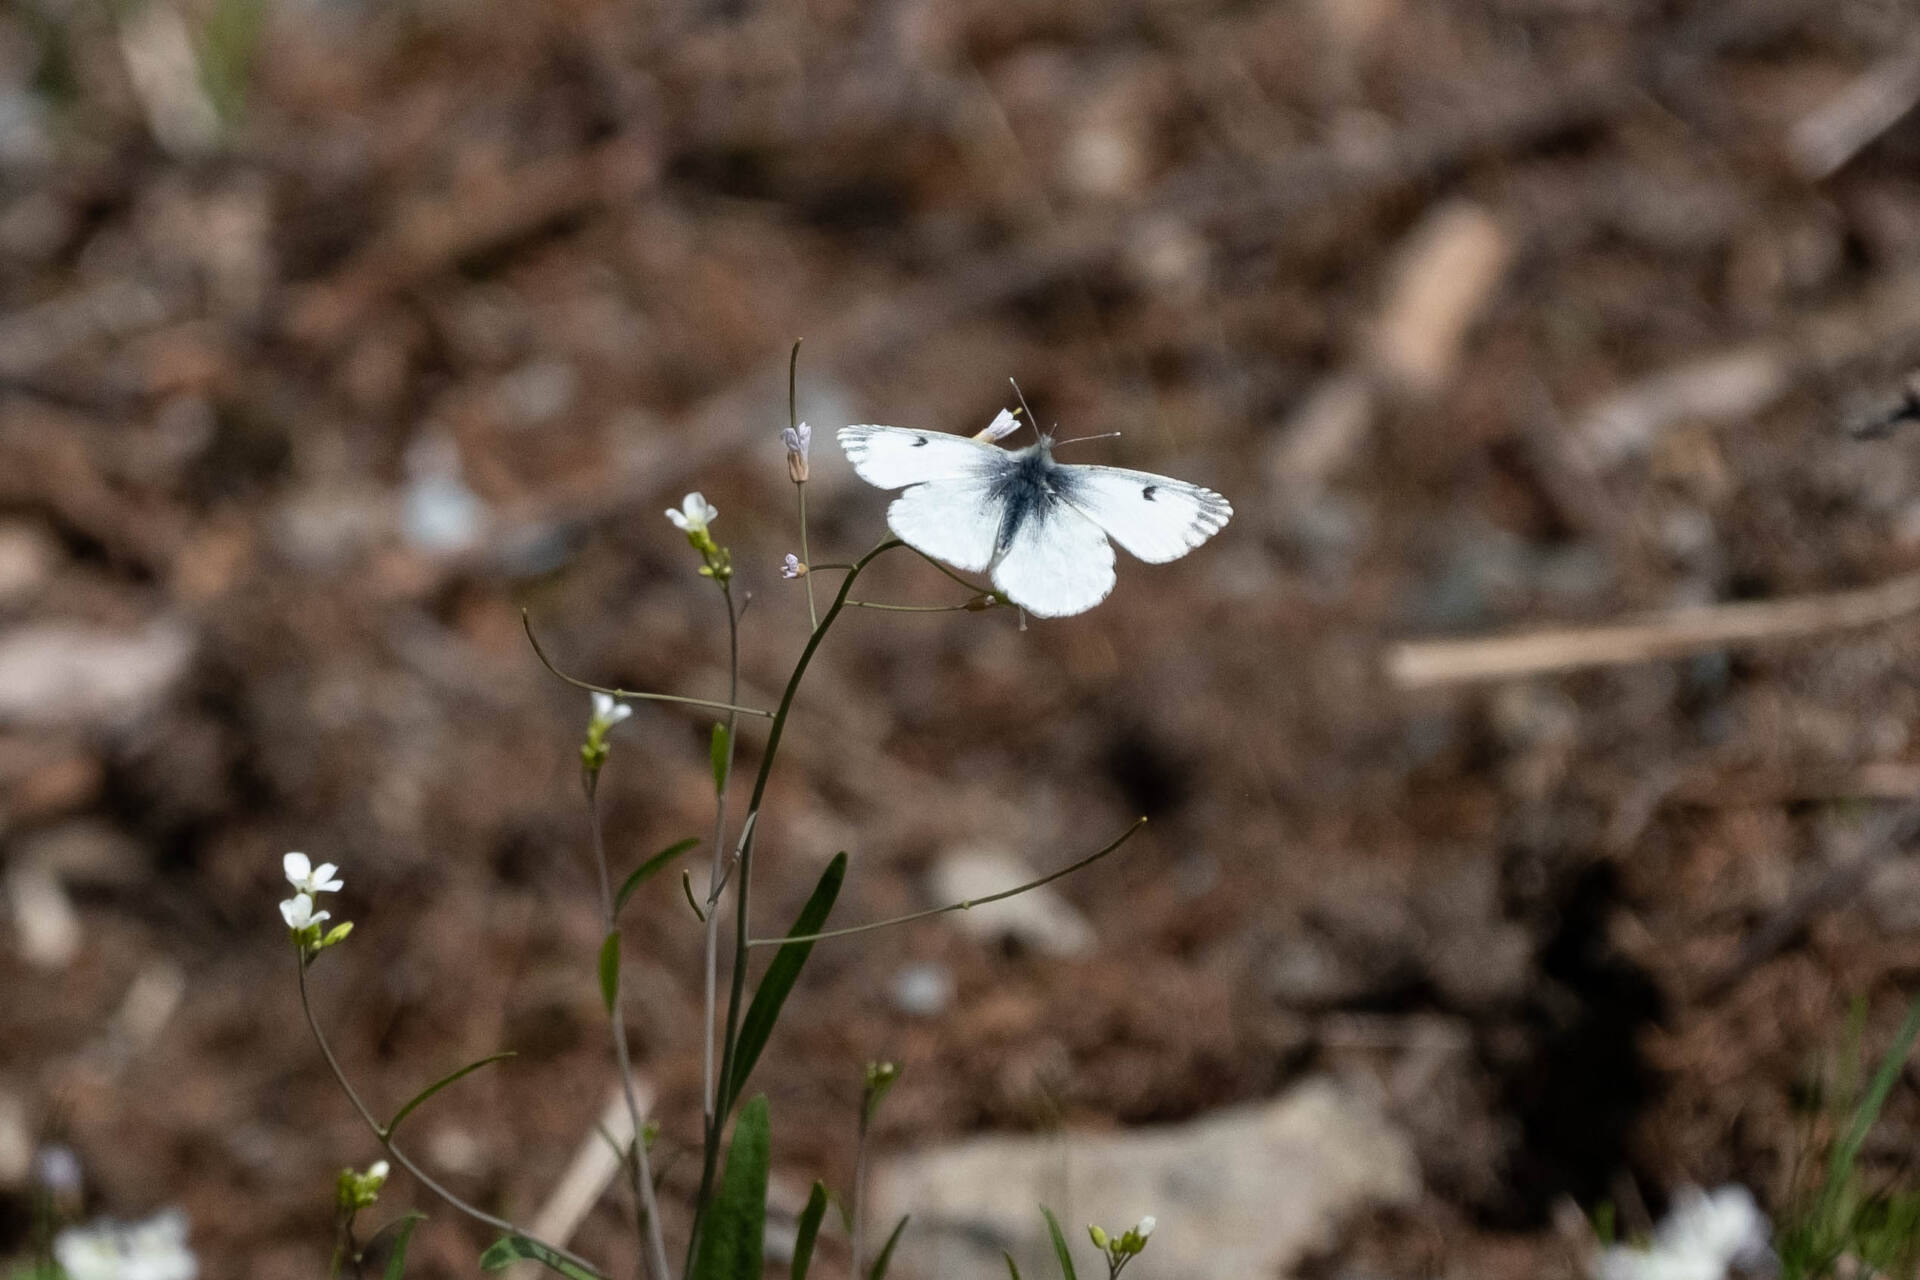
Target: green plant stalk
[
  {"x": 813, "y": 614},
  {"x": 743, "y": 875},
  {"x": 526, "y": 624},
  {"x": 393, "y": 1151},
  {"x": 858, "y": 1228},
  {"x": 716, "y": 877},
  {"x": 639, "y": 1169},
  {"x": 965, "y": 904}
]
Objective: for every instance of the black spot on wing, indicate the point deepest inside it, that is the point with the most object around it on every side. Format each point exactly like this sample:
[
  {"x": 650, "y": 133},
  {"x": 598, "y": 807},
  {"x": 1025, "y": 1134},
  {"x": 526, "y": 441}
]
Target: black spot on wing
[
  {"x": 919, "y": 442},
  {"x": 1147, "y": 492}
]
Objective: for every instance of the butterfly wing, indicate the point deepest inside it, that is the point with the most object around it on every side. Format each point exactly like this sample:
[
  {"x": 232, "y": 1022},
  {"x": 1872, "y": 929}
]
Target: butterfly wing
[
  {"x": 891, "y": 457},
  {"x": 1155, "y": 518},
  {"x": 1057, "y": 563},
  {"x": 950, "y": 520}
]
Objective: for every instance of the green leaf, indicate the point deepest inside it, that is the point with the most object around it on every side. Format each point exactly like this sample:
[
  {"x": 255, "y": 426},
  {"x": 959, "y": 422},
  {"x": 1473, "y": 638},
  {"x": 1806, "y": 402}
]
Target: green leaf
[
  {"x": 508, "y": 1250},
  {"x": 734, "y": 1234},
  {"x": 809, "y": 1230},
  {"x": 718, "y": 751},
  {"x": 778, "y": 982},
  {"x": 610, "y": 970},
  {"x": 1013, "y": 1272},
  {"x": 648, "y": 869},
  {"x": 406, "y": 1108},
  {"x": 1059, "y": 1245},
  {"x": 402, "y": 1237},
  {"x": 885, "y": 1260},
  {"x": 1847, "y": 1150}
]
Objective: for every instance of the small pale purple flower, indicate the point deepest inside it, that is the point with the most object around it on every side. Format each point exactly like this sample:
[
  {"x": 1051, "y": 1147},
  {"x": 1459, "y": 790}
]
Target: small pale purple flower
[
  {"x": 791, "y": 568},
  {"x": 1004, "y": 424},
  {"x": 799, "y": 442}
]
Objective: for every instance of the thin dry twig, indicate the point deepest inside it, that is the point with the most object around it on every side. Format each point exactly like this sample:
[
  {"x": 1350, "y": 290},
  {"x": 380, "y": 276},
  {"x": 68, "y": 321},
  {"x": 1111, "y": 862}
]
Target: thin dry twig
[
  {"x": 595, "y": 1164},
  {"x": 1699, "y": 629},
  {"x": 1741, "y": 381},
  {"x": 1899, "y": 830},
  {"x": 1824, "y": 139}
]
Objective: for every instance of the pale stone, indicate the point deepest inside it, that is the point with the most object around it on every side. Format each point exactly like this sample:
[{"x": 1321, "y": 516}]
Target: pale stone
[{"x": 1249, "y": 1191}]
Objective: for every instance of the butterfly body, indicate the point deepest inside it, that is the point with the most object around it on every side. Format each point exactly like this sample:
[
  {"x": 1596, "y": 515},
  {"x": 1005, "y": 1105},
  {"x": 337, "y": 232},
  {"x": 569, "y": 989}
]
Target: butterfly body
[{"x": 1038, "y": 527}]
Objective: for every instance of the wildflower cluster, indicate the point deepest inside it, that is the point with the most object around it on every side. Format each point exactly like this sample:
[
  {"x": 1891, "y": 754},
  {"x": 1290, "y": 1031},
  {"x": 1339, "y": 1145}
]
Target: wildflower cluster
[
  {"x": 1123, "y": 1248},
  {"x": 725, "y": 1234},
  {"x": 309, "y": 882},
  {"x": 354, "y": 1191}
]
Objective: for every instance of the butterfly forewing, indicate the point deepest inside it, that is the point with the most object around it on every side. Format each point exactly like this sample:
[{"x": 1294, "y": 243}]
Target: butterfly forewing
[
  {"x": 891, "y": 457},
  {"x": 1155, "y": 518}
]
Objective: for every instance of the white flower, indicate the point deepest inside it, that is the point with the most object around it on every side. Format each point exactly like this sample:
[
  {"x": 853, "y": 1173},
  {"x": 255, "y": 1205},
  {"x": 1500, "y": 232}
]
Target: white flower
[
  {"x": 152, "y": 1250},
  {"x": 308, "y": 879},
  {"x": 298, "y": 912},
  {"x": 1003, "y": 424},
  {"x": 792, "y": 568},
  {"x": 608, "y": 710},
  {"x": 1145, "y": 1227},
  {"x": 378, "y": 1169},
  {"x": 1704, "y": 1234},
  {"x": 694, "y": 515}
]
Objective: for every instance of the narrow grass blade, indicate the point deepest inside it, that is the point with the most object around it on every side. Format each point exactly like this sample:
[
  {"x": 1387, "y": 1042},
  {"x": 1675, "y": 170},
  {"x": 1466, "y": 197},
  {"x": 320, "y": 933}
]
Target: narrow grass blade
[
  {"x": 734, "y": 1235},
  {"x": 1013, "y": 1272},
  {"x": 648, "y": 869},
  {"x": 885, "y": 1260},
  {"x": 507, "y": 1250},
  {"x": 402, "y": 1229},
  {"x": 1847, "y": 1151},
  {"x": 778, "y": 982},
  {"x": 1059, "y": 1245},
  {"x": 406, "y": 1108},
  {"x": 810, "y": 1219}
]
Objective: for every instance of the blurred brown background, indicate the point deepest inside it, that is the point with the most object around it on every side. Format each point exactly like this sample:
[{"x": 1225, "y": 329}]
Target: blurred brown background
[{"x": 334, "y": 333}]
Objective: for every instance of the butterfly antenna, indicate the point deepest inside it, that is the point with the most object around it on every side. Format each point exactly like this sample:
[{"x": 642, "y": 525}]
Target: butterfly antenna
[
  {"x": 1104, "y": 435},
  {"x": 1021, "y": 396}
]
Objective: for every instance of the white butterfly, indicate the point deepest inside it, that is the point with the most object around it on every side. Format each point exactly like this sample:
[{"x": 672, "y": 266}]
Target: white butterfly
[{"x": 1037, "y": 526}]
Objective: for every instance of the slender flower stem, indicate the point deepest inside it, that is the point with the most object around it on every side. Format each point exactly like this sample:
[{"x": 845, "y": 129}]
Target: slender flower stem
[
  {"x": 527, "y": 624},
  {"x": 974, "y": 587},
  {"x": 911, "y": 608},
  {"x": 963, "y": 905},
  {"x": 640, "y": 1168},
  {"x": 858, "y": 1226},
  {"x": 716, "y": 880},
  {"x": 743, "y": 893},
  {"x": 400, "y": 1157},
  {"x": 813, "y": 615}
]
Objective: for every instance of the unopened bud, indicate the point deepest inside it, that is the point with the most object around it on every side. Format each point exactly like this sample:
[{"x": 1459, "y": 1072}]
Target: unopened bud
[{"x": 799, "y": 442}]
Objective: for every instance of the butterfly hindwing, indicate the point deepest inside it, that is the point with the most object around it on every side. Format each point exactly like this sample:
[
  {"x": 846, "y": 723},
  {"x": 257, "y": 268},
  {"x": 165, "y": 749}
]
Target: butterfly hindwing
[
  {"x": 891, "y": 457},
  {"x": 1057, "y": 563},
  {"x": 1154, "y": 517},
  {"x": 951, "y": 520}
]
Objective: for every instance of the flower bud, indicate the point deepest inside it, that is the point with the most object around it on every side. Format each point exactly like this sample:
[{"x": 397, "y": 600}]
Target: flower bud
[{"x": 799, "y": 443}]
